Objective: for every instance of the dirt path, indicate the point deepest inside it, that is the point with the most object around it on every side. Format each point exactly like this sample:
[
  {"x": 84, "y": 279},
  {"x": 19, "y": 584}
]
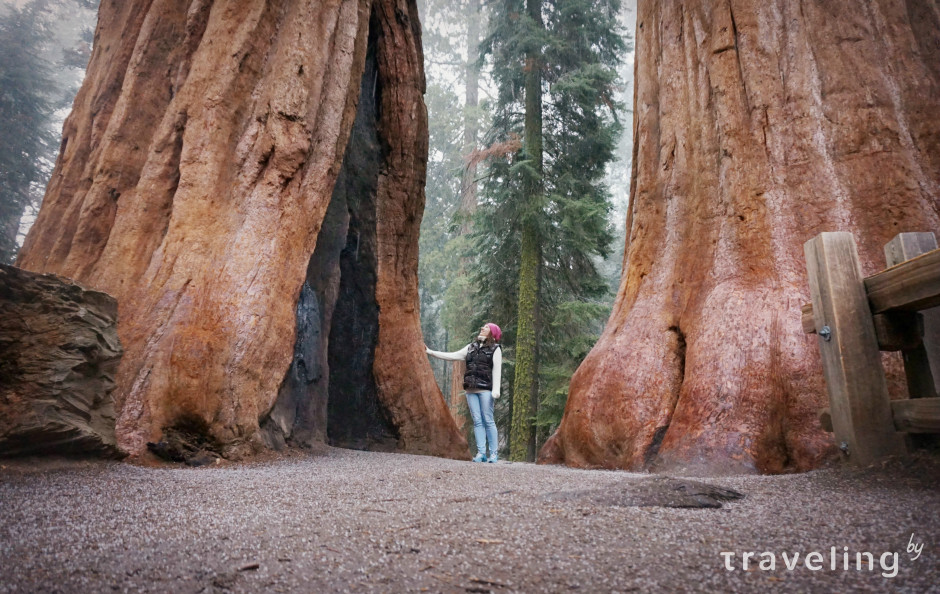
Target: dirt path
[{"x": 357, "y": 521}]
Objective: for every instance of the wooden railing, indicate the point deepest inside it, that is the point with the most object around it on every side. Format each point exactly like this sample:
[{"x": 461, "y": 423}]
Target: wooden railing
[{"x": 855, "y": 318}]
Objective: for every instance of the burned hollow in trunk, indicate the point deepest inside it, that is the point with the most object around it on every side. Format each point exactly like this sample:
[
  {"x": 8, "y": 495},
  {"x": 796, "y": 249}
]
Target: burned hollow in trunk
[{"x": 329, "y": 393}]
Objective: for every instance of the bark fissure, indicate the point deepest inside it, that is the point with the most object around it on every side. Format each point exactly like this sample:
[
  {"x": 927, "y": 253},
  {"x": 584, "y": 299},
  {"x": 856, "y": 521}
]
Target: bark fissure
[
  {"x": 653, "y": 448},
  {"x": 737, "y": 58}
]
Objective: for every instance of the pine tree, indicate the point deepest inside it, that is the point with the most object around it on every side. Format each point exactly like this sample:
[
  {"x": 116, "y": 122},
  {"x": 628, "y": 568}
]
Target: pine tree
[
  {"x": 26, "y": 140},
  {"x": 44, "y": 48},
  {"x": 544, "y": 217}
]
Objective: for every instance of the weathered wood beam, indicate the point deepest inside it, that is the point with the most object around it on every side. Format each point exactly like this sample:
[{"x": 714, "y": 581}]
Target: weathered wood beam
[
  {"x": 894, "y": 331},
  {"x": 921, "y": 358},
  {"x": 906, "y": 246},
  {"x": 858, "y": 392},
  {"x": 899, "y": 330},
  {"x": 809, "y": 325},
  {"x": 910, "y": 286},
  {"x": 920, "y": 415},
  {"x": 911, "y": 416}
]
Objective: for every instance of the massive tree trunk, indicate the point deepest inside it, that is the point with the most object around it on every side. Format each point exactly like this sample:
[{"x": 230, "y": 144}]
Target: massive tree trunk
[
  {"x": 758, "y": 125},
  {"x": 195, "y": 174}
]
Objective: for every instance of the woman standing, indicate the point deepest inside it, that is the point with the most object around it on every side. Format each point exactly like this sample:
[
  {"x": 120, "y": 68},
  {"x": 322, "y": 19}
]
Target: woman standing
[{"x": 481, "y": 381}]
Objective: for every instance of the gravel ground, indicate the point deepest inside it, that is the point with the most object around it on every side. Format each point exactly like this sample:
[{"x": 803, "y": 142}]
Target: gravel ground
[{"x": 344, "y": 520}]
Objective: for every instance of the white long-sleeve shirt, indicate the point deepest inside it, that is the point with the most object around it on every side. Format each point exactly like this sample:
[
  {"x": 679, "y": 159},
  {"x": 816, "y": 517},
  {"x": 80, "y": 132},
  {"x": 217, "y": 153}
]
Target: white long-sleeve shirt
[{"x": 462, "y": 355}]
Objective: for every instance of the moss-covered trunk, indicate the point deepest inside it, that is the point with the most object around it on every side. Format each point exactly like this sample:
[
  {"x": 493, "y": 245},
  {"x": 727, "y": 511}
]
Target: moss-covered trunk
[{"x": 525, "y": 386}]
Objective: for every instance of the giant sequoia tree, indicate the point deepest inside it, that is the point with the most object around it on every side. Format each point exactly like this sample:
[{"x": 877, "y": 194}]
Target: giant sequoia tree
[
  {"x": 759, "y": 124},
  {"x": 265, "y": 268}
]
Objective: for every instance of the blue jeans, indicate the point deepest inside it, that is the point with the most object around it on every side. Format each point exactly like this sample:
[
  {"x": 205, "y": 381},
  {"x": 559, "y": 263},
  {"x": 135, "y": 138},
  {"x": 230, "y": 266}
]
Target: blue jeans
[{"x": 484, "y": 427}]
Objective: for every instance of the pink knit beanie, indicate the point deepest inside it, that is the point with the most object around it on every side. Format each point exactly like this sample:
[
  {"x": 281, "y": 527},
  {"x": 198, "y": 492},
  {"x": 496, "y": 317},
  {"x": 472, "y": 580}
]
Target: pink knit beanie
[{"x": 495, "y": 331}]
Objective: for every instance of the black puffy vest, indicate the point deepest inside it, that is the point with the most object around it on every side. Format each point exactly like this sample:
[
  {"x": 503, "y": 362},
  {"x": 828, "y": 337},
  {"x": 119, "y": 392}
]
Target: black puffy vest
[{"x": 479, "y": 375}]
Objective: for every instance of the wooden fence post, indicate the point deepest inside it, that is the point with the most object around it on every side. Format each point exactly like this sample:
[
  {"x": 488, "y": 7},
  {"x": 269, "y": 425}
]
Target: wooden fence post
[
  {"x": 921, "y": 362},
  {"x": 858, "y": 393}
]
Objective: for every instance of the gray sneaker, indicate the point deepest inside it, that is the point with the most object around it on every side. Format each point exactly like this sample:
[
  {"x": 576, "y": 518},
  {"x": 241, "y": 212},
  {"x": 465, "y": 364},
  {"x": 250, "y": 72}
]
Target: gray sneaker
[{"x": 493, "y": 459}]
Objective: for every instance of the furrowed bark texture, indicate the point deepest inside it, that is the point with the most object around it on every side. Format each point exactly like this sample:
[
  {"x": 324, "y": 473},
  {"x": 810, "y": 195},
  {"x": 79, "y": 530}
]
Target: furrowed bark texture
[
  {"x": 194, "y": 177},
  {"x": 758, "y": 125},
  {"x": 404, "y": 381}
]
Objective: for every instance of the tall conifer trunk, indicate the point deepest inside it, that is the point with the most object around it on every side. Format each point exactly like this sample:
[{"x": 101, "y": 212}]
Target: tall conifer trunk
[
  {"x": 195, "y": 172},
  {"x": 468, "y": 182},
  {"x": 525, "y": 387},
  {"x": 758, "y": 124}
]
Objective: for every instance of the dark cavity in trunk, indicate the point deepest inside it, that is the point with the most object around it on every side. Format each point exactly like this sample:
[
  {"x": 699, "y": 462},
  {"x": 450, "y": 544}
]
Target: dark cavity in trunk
[{"x": 329, "y": 394}]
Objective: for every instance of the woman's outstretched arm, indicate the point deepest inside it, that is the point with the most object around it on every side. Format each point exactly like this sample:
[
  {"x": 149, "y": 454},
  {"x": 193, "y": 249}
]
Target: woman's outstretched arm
[
  {"x": 455, "y": 356},
  {"x": 497, "y": 371}
]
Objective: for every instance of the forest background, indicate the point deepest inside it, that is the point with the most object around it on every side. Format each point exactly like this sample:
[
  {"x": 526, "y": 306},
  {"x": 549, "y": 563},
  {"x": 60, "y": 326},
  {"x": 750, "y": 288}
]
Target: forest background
[
  {"x": 470, "y": 234},
  {"x": 480, "y": 162}
]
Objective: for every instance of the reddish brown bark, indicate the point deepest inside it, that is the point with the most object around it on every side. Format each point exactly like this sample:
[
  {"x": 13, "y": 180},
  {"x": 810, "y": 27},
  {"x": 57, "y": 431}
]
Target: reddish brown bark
[
  {"x": 413, "y": 400},
  {"x": 195, "y": 172},
  {"x": 758, "y": 125}
]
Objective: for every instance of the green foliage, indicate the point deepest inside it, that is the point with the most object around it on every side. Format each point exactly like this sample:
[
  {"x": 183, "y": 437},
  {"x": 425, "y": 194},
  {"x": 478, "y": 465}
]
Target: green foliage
[
  {"x": 435, "y": 266},
  {"x": 448, "y": 315},
  {"x": 44, "y": 47},
  {"x": 469, "y": 279},
  {"x": 26, "y": 141},
  {"x": 567, "y": 339},
  {"x": 579, "y": 51}
]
